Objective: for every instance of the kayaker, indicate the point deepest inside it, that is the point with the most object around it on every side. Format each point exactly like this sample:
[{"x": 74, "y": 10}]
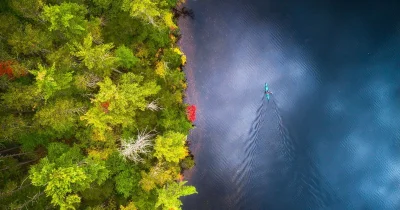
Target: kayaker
[{"x": 267, "y": 92}]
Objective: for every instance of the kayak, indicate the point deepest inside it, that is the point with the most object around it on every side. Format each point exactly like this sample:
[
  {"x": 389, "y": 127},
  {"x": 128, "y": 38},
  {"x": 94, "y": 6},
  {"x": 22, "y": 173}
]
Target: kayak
[{"x": 266, "y": 89}]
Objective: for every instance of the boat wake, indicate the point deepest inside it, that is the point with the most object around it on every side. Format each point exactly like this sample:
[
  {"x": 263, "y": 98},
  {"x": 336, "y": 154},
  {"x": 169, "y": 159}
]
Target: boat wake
[
  {"x": 287, "y": 141},
  {"x": 243, "y": 171},
  {"x": 252, "y": 146}
]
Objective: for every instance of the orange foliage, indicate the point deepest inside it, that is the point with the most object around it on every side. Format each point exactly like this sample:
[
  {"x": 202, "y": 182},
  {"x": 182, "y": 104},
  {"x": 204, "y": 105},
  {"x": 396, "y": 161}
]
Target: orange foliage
[
  {"x": 105, "y": 106},
  {"x": 12, "y": 69},
  {"x": 5, "y": 69},
  {"x": 180, "y": 177}
]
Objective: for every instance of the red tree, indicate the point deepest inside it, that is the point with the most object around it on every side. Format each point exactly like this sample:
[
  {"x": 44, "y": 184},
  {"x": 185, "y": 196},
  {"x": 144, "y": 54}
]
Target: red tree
[
  {"x": 105, "y": 106},
  {"x": 191, "y": 113},
  {"x": 5, "y": 68}
]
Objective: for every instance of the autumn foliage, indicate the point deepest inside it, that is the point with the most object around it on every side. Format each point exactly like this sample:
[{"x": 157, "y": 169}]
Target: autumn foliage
[
  {"x": 92, "y": 117},
  {"x": 5, "y": 69},
  {"x": 191, "y": 113},
  {"x": 105, "y": 106},
  {"x": 180, "y": 177}
]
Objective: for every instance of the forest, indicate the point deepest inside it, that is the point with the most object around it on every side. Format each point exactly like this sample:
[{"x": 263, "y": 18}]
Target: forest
[{"x": 91, "y": 105}]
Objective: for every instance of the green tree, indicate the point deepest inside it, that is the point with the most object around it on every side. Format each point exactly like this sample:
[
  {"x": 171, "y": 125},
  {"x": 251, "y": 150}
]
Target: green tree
[
  {"x": 27, "y": 8},
  {"x": 104, "y": 4},
  {"x": 125, "y": 57},
  {"x": 168, "y": 196},
  {"x": 11, "y": 127},
  {"x": 146, "y": 10},
  {"x": 21, "y": 97},
  {"x": 60, "y": 115},
  {"x": 159, "y": 175},
  {"x": 63, "y": 155},
  {"x": 63, "y": 176},
  {"x": 127, "y": 177},
  {"x": 99, "y": 58},
  {"x": 173, "y": 58},
  {"x": 49, "y": 82},
  {"x": 123, "y": 100},
  {"x": 99, "y": 120},
  {"x": 30, "y": 41},
  {"x": 115, "y": 163},
  {"x": 67, "y": 18},
  {"x": 173, "y": 119},
  {"x": 127, "y": 182},
  {"x": 98, "y": 193},
  {"x": 60, "y": 183},
  {"x": 94, "y": 27},
  {"x": 62, "y": 59},
  {"x": 171, "y": 147},
  {"x": 132, "y": 28},
  {"x": 145, "y": 200},
  {"x": 8, "y": 24}
]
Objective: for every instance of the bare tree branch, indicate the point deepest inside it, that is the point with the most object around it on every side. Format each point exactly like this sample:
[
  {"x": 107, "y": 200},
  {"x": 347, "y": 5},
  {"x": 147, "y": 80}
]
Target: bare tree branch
[
  {"x": 132, "y": 149},
  {"x": 35, "y": 198},
  {"x": 8, "y": 149},
  {"x": 14, "y": 155},
  {"x": 92, "y": 80},
  {"x": 153, "y": 106},
  {"x": 23, "y": 163},
  {"x": 78, "y": 110},
  {"x": 7, "y": 193}
]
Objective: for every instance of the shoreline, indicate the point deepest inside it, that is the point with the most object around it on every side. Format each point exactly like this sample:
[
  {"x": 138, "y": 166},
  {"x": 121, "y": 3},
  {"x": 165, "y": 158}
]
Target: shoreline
[{"x": 188, "y": 47}]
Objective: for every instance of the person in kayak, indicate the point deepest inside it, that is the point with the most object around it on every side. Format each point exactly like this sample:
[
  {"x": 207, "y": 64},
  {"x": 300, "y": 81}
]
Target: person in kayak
[{"x": 267, "y": 92}]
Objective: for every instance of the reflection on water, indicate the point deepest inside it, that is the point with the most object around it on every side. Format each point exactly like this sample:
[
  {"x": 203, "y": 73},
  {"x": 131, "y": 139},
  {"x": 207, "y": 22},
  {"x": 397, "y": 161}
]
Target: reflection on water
[{"x": 329, "y": 136}]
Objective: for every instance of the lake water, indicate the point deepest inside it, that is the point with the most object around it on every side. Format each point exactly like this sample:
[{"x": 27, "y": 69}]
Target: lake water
[{"x": 329, "y": 138}]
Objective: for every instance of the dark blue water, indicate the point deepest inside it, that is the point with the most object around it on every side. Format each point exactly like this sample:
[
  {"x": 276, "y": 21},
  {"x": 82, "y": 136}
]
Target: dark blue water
[{"x": 329, "y": 138}]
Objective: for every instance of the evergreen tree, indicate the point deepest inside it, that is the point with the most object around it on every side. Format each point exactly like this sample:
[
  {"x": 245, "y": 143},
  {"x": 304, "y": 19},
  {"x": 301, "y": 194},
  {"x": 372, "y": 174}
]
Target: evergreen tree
[
  {"x": 49, "y": 82},
  {"x": 61, "y": 116},
  {"x": 29, "y": 41},
  {"x": 98, "y": 59},
  {"x": 125, "y": 57},
  {"x": 66, "y": 18},
  {"x": 27, "y": 8}
]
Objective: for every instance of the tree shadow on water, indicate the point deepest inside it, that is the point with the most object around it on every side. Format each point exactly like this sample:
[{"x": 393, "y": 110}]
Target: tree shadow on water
[{"x": 183, "y": 12}]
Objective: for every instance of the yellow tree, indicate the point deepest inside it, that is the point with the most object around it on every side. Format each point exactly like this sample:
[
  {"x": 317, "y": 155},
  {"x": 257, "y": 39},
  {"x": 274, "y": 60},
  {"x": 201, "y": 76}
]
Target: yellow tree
[
  {"x": 117, "y": 104},
  {"x": 64, "y": 173},
  {"x": 67, "y": 18},
  {"x": 146, "y": 10},
  {"x": 171, "y": 147},
  {"x": 168, "y": 196},
  {"x": 98, "y": 58}
]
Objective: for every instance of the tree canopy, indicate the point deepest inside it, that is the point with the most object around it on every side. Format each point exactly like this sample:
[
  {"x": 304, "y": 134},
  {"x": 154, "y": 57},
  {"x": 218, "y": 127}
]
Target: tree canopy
[{"x": 91, "y": 105}]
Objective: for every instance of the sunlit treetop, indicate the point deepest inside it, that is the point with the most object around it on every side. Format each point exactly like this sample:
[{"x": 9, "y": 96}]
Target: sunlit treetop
[
  {"x": 49, "y": 82},
  {"x": 67, "y": 18}
]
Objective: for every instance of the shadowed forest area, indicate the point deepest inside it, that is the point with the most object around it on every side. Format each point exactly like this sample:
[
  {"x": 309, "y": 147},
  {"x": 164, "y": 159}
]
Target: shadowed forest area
[{"x": 91, "y": 105}]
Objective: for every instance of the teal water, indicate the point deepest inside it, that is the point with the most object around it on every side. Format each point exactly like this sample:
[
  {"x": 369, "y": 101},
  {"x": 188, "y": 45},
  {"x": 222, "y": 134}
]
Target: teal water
[{"x": 328, "y": 138}]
